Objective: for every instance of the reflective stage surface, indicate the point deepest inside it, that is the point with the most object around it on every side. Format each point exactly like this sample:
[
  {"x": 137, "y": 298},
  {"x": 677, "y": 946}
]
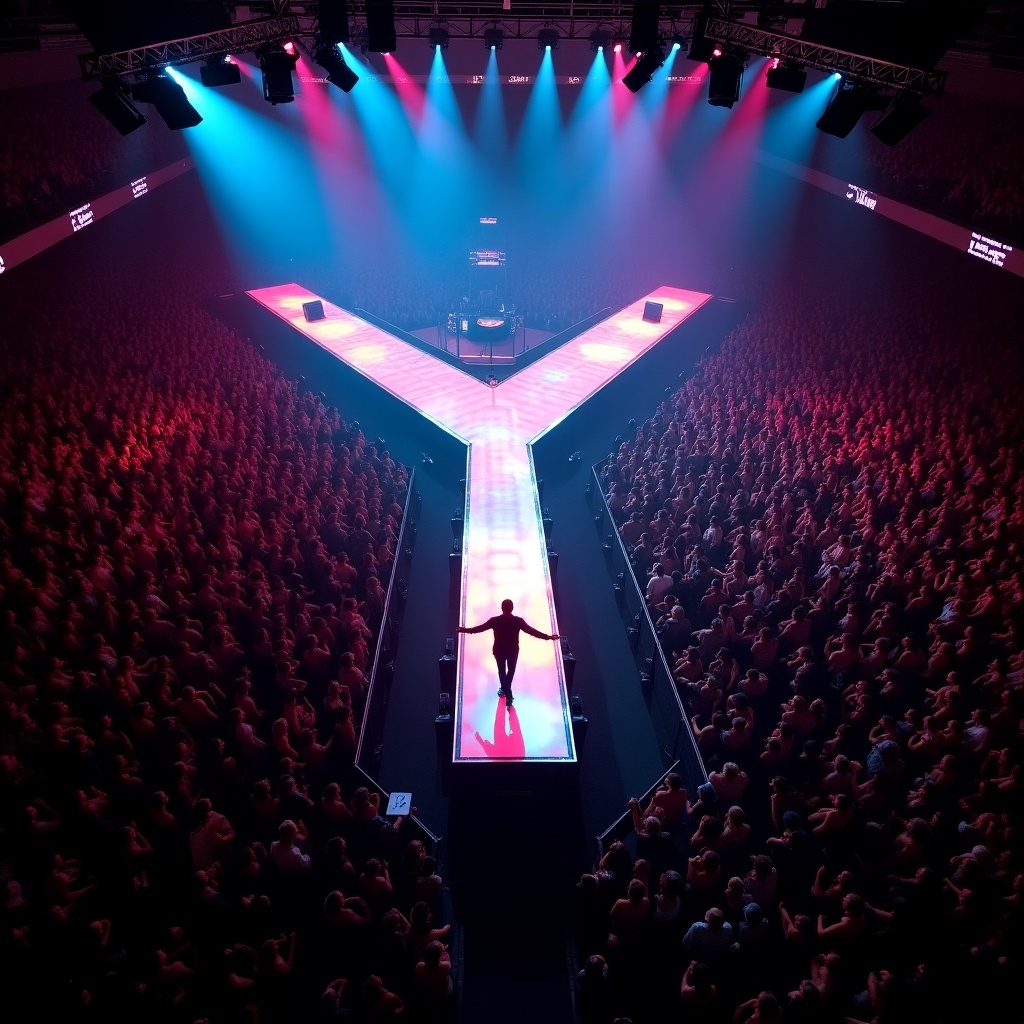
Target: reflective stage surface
[{"x": 504, "y": 551}]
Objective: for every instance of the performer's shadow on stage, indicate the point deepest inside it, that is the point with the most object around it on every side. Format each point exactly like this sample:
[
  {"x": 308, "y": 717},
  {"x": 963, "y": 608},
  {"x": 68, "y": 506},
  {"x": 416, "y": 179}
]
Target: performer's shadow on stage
[{"x": 505, "y": 744}]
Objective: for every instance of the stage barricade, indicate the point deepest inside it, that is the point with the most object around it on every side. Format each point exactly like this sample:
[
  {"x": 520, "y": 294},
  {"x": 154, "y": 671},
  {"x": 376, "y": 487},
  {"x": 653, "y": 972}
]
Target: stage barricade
[
  {"x": 654, "y": 675},
  {"x": 378, "y": 694}
]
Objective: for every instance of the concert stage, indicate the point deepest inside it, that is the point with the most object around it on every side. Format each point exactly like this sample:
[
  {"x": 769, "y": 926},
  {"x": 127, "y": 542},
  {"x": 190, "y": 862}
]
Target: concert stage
[{"x": 529, "y": 749}]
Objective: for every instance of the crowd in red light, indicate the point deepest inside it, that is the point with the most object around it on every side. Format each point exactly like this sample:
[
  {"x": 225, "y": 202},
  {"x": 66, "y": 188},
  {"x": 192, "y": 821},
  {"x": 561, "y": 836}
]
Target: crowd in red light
[
  {"x": 193, "y": 553},
  {"x": 827, "y": 518}
]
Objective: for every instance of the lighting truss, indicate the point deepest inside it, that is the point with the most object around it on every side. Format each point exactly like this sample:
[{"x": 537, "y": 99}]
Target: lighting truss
[
  {"x": 825, "y": 58},
  {"x": 243, "y": 38}
]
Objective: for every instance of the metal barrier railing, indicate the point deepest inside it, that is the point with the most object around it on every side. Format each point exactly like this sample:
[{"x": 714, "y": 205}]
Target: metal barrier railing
[
  {"x": 621, "y": 827},
  {"x": 413, "y": 828},
  {"x": 378, "y": 692},
  {"x": 668, "y": 714}
]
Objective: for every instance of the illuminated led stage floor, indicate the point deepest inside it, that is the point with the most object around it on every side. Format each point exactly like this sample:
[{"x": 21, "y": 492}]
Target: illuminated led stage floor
[{"x": 504, "y": 550}]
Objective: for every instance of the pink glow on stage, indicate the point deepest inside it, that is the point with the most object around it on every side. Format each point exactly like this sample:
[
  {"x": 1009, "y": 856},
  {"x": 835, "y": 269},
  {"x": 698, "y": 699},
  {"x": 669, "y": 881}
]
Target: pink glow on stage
[
  {"x": 410, "y": 93},
  {"x": 504, "y": 551}
]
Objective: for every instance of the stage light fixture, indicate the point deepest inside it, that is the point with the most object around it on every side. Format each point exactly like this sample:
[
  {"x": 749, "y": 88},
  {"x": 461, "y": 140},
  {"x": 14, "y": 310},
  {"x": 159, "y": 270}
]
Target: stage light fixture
[
  {"x": 906, "y": 114},
  {"x": 219, "y": 71},
  {"x": 333, "y": 21},
  {"x": 438, "y": 36},
  {"x": 548, "y": 39},
  {"x": 494, "y": 38},
  {"x": 599, "y": 39},
  {"x": 276, "y": 66},
  {"x": 725, "y": 74},
  {"x": 643, "y": 28},
  {"x": 788, "y": 76},
  {"x": 381, "y": 36},
  {"x": 619, "y": 45},
  {"x": 338, "y": 72},
  {"x": 169, "y": 99},
  {"x": 114, "y": 103},
  {"x": 643, "y": 70},
  {"x": 678, "y": 42},
  {"x": 844, "y": 109},
  {"x": 289, "y": 47}
]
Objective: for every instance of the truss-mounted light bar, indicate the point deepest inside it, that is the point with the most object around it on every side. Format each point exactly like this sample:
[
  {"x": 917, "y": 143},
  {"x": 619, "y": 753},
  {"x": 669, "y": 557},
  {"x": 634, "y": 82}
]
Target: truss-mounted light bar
[
  {"x": 243, "y": 38},
  {"x": 825, "y": 58}
]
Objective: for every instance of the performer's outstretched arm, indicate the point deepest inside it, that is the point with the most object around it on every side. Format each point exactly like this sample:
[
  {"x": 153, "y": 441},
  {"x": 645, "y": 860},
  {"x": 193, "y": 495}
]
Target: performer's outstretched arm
[{"x": 527, "y": 628}]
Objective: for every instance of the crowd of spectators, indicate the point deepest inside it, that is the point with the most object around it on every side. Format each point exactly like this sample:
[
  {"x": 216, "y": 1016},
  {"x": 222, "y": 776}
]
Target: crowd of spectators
[
  {"x": 192, "y": 558},
  {"x": 827, "y": 519}
]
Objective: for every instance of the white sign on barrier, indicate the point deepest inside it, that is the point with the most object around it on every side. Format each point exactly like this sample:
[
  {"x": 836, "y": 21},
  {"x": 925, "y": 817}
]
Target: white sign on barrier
[{"x": 82, "y": 217}]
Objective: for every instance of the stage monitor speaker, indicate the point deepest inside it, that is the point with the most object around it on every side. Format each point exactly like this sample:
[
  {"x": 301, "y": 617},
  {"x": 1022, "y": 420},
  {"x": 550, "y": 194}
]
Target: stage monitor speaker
[
  {"x": 653, "y": 311},
  {"x": 313, "y": 310}
]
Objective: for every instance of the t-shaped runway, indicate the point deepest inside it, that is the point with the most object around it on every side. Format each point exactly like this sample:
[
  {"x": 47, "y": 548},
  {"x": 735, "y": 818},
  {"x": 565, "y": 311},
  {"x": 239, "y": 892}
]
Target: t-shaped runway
[{"x": 504, "y": 550}]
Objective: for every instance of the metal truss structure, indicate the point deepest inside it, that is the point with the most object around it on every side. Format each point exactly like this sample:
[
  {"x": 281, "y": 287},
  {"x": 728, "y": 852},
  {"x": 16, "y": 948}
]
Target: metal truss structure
[
  {"x": 241, "y": 38},
  {"x": 824, "y": 58},
  {"x": 297, "y": 19}
]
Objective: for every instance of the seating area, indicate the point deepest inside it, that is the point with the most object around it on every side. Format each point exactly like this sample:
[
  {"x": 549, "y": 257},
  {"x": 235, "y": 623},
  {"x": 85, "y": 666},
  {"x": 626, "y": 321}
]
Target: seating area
[
  {"x": 826, "y": 518},
  {"x": 192, "y": 565}
]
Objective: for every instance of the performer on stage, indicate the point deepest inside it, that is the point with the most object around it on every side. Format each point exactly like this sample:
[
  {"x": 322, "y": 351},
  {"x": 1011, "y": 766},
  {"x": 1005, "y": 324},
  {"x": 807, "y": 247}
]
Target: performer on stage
[{"x": 507, "y": 628}]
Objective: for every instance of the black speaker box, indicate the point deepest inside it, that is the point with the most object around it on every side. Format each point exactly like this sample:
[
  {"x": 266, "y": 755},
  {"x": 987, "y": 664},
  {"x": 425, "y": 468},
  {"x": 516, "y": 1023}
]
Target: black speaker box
[
  {"x": 313, "y": 310},
  {"x": 653, "y": 311}
]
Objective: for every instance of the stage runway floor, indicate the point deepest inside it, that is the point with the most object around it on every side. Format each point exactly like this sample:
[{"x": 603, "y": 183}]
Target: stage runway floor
[{"x": 504, "y": 550}]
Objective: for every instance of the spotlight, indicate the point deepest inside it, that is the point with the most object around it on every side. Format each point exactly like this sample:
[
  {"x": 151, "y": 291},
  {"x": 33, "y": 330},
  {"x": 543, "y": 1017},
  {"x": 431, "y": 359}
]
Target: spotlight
[
  {"x": 169, "y": 99},
  {"x": 716, "y": 52},
  {"x": 724, "y": 80},
  {"x": 643, "y": 70},
  {"x": 789, "y": 76},
  {"x": 220, "y": 71},
  {"x": 844, "y": 109},
  {"x": 678, "y": 42},
  {"x": 438, "y": 36},
  {"x": 619, "y": 44},
  {"x": 338, "y": 72},
  {"x": 906, "y": 114},
  {"x": 114, "y": 103},
  {"x": 276, "y": 67},
  {"x": 492, "y": 381},
  {"x": 494, "y": 38},
  {"x": 599, "y": 39},
  {"x": 548, "y": 39},
  {"x": 380, "y": 26},
  {"x": 289, "y": 47}
]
